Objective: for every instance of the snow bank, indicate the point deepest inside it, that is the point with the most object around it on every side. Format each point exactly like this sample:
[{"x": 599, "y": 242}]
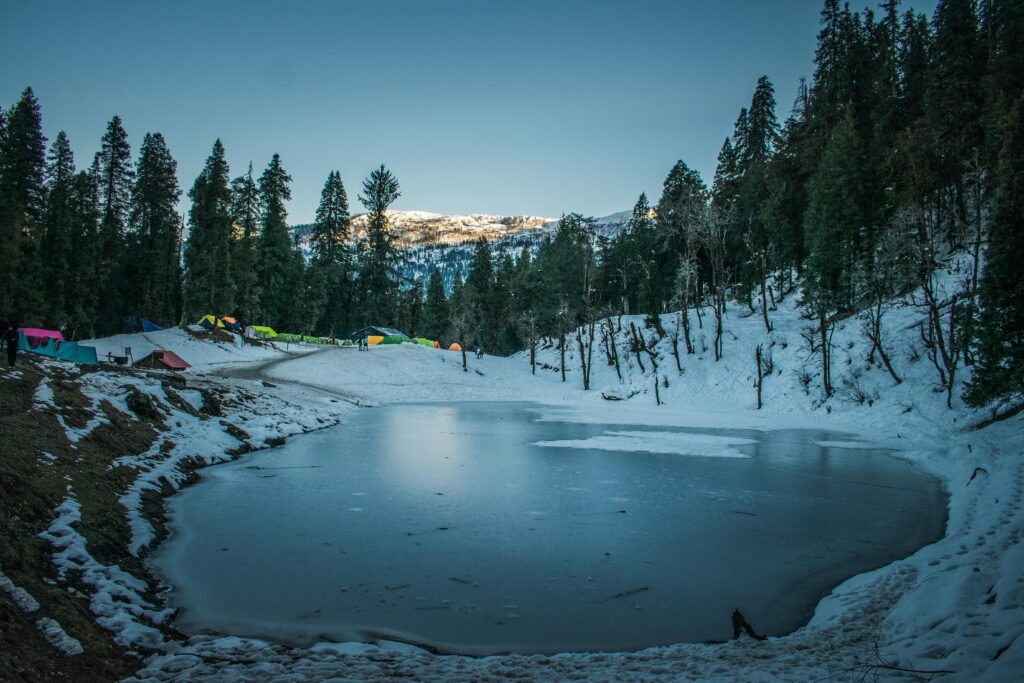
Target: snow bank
[
  {"x": 56, "y": 636},
  {"x": 25, "y": 602},
  {"x": 117, "y": 599}
]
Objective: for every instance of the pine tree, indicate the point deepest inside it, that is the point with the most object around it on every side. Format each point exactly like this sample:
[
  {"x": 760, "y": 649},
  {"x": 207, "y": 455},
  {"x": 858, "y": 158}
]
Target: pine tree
[
  {"x": 84, "y": 263},
  {"x": 329, "y": 239},
  {"x": 332, "y": 258},
  {"x": 22, "y": 200},
  {"x": 245, "y": 217},
  {"x": 59, "y": 226},
  {"x": 155, "y": 271},
  {"x": 279, "y": 273},
  {"x": 762, "y": 125},
  {"x": 999, "y": 371},
  {"x": 117, "y": 178},
  {"x": 435, "y": 310},
  {"x": 478, "y": 297},
  {"x": 955, "y": 99},
  {"x": 832, "y": 216},
  {"x": 209, "y": 282},
  {"x": 379, "y": 269},
  {"x": 683, "y": 195}
]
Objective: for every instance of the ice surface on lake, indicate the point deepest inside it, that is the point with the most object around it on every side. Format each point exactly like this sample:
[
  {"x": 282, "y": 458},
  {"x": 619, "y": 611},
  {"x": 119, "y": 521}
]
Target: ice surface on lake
[{"x": 451, "y": 525}]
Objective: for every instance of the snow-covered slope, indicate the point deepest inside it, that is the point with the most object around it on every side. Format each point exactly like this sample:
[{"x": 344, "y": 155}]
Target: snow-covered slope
[
  {"x": 203, "y": 355},
  {"x": 954, "y": 606}
]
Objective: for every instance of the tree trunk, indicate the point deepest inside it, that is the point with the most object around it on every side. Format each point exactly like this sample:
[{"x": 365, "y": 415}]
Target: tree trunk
[
  {"x": 757, "y": 361},
  {"x": 533, "y": 355},
  {"x": 719, "y": 308},
  {"x": 764, "y": 302},
  {"x": 684, "y": 318},
  {"x": 675, "y": 350},
  {"x": 636, "y": 347},
  {"x": 826, "y": 370},
  {"x": 561, "y": 349},
  {"x": 614, "y": 351}
]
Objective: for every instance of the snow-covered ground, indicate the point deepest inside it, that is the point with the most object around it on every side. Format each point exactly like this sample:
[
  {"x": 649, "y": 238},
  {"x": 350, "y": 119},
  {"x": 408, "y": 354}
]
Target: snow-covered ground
[
  {"x": 201, "y": 354},
  {"x": 955, "y": 606}
]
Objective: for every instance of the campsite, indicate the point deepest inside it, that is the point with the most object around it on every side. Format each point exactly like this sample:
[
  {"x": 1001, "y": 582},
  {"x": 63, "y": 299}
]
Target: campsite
[{"x": 564, "y": 341}]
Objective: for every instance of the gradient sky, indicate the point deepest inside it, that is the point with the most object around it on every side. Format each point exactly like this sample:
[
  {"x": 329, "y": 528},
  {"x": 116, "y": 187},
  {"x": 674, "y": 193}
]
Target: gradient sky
[{"x": 478, "y": 107}]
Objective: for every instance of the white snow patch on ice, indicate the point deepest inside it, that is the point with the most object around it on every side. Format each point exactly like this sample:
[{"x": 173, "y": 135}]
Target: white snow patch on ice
[
  {"x": 853, "y": 445},
  {"x": 676, "y": 443}
]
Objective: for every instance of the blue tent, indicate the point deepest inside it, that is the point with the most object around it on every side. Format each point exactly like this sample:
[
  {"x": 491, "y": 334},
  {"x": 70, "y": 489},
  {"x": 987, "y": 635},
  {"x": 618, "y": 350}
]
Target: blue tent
[
  {"x": 148, "y": 326},
  {"x": 64, "y": 350}
]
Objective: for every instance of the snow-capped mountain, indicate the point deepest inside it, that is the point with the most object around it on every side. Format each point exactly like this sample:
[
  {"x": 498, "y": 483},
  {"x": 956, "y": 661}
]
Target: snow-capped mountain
[{"x": 441, "y": 242}]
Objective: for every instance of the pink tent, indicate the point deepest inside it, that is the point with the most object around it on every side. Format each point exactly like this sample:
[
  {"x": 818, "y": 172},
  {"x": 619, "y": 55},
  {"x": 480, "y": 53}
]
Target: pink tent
[{"x": 36, "y": 332}]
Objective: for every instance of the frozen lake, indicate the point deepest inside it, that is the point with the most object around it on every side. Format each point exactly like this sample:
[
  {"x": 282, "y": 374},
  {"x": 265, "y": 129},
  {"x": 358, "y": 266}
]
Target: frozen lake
[{"x": 448, "y": 525}]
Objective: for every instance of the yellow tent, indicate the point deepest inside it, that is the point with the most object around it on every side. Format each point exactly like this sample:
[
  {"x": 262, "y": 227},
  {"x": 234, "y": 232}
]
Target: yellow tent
[
  {"x": 455, "y": 347},
  {"x": 209, "y": 322},
  {"x": 374, "y": 339}
]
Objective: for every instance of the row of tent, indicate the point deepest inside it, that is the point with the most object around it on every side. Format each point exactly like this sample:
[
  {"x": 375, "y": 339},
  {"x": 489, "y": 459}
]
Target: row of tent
[{"x": 374, "y": 335}]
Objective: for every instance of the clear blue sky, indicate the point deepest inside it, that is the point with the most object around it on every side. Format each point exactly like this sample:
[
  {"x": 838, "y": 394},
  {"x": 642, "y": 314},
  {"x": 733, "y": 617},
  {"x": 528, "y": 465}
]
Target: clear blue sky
[{"x": 516, "y": 108}]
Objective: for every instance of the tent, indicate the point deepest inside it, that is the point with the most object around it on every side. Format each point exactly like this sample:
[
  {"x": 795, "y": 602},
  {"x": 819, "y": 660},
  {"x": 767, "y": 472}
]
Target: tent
[
  {"x": 209, "y": 322},
  {"x": 286, "y": 337},
  {"x": 395, "y": 339},
  {"x": 375, "y": 331},
  {"x": 437, "y": 345},
  {"x": 148, "y": 326},
  {"x": 374, "y": 339},
  {"x": 424, "y": 342},
  {"x": 56, "y": 348},
  {"x": 231, "y": 323},
  {"x": 260, "y": 332},
  {"x": 162, "y": 359},
  {"x": 36, "y": 332},
  {"x": 455, "y": 347}
]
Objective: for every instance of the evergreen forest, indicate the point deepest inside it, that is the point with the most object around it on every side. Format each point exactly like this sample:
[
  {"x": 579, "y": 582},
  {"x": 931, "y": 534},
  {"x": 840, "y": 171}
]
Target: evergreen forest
[{"x": 904, "y": 149}]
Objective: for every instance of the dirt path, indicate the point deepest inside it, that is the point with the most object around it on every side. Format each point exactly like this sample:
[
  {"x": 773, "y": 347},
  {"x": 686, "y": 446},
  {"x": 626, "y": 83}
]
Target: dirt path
[{"x": 259, "y": 372}]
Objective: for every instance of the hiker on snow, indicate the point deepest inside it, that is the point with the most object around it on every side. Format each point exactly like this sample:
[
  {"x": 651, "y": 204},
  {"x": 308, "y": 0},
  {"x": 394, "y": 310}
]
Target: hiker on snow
[
  {"x": 11, "y": 337},
  {"x": 740, "y": 623}
]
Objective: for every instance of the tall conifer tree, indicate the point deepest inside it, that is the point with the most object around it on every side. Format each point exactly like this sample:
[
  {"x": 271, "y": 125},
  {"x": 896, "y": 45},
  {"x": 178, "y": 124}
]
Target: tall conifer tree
[
  {"x": 209, "y": 283},
  {"x": 276, "y": 262},
  {"x": 60, "y": 219},
  {"x": 245, "y": 216},
  {"x": 22, "y": 196}
]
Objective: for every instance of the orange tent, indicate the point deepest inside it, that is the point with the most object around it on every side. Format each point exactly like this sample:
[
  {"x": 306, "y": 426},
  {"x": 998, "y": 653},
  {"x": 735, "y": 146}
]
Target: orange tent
[
  {"x": 436, "y": 345},
  {"x": 455, "y": 347}
]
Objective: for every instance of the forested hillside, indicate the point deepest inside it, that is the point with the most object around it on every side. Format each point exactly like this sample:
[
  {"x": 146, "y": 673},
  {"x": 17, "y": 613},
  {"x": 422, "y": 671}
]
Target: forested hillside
[{"x": 904, "y": 148}]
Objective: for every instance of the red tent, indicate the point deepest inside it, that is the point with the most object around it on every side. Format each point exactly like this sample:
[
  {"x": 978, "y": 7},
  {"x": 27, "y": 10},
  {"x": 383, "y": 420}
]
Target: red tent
[
  {"x": 48, "y": 334},
  {"x": 162, "y": 359}
]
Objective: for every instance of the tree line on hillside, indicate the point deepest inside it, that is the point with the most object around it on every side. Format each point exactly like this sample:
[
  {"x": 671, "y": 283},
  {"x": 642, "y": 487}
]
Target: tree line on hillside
[{"x": 899, "y": 171}]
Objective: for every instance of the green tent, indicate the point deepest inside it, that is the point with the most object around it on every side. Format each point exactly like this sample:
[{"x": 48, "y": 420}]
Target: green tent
[
  {"x": 424, "y": 342},
  {"x": 394, "y": 339}
]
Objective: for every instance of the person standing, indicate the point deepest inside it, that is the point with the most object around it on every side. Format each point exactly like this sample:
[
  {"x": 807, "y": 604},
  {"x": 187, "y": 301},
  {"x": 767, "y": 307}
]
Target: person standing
[
  {"x": 5, "y": 324},
  {"x": 740, "y": 624},
  {"x": 11, "y": 337}
]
